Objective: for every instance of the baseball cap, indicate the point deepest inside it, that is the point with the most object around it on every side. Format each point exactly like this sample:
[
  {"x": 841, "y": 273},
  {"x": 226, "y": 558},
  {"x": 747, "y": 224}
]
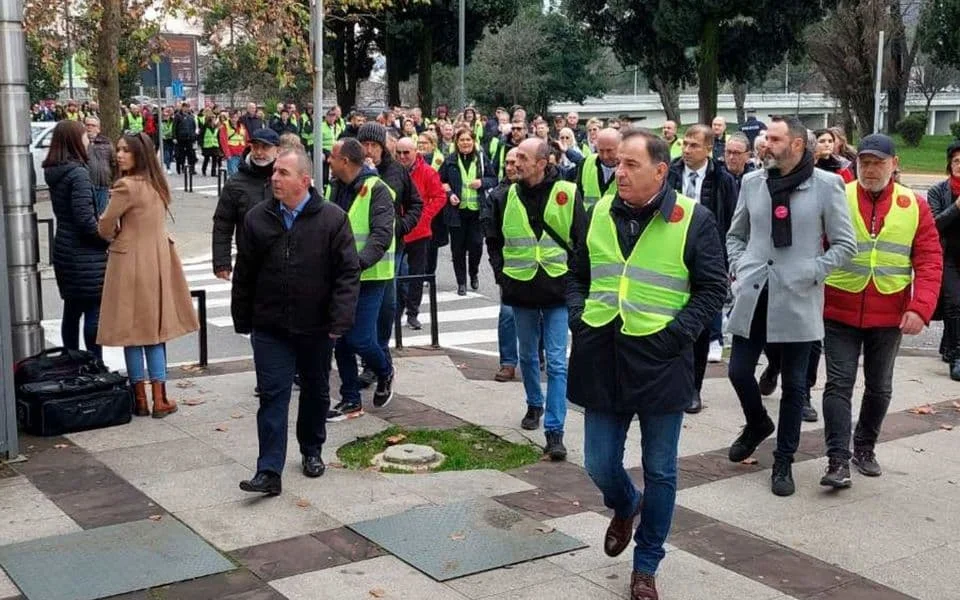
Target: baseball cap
[
  {"x": 878, "y": 145},
  {"x": 267, "y": 136}
]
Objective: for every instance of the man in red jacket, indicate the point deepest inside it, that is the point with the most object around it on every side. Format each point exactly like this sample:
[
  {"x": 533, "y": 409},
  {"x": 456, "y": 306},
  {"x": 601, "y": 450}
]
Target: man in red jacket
[
  {"x": 887, "y": 290},
  {"x": 417, "y": 242}
]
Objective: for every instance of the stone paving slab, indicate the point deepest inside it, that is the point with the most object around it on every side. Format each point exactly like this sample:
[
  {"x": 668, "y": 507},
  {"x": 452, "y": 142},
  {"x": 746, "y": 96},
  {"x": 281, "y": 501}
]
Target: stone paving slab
[
  {"x": 27, "y": 514},
  {"x": 7, "y": 587},
  {"x": 110, "y": 560},
  {"x": 452, "y": 486}
]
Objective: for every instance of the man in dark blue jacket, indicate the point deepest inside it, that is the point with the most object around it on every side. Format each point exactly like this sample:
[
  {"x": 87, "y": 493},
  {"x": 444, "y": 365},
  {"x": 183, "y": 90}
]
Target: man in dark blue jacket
[
  {"x": 698, "y": 177},
  {"x": 639, "y": 362}
]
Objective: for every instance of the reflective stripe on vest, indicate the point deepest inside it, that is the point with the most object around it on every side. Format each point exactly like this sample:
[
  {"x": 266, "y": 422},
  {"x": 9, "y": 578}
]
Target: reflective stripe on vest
[
  {"x": 468, "y": 196},
  {"x": 134, "y": 124},
  {"x": 886, "y": 257},
  {"x": 523, "y": 254},
  {"x": 359, "y": 216},
  {"x": 652, "y": 286},
  {"x": 590, "y": 183}
]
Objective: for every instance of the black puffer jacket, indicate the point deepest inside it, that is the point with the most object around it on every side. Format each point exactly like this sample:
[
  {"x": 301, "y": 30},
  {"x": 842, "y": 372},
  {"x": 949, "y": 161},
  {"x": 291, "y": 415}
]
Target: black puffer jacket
[
  {"x": 249, "y": 187},
  {"x": 79, "y": 253},
  {"x": 408, "y": 203}
]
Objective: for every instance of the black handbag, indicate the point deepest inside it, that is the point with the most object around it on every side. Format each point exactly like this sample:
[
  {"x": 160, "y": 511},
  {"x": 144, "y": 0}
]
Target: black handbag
[{"x": 47, "y": 408}]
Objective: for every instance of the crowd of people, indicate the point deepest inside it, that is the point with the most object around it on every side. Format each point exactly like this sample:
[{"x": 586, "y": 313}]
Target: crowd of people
[{"x": 634, "y": 245}]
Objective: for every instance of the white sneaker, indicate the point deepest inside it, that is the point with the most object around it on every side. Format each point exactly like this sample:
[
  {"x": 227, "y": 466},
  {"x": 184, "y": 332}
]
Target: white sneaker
[
  {"x": 716, "y": 352},
  {"x": 169, "y": 172}
]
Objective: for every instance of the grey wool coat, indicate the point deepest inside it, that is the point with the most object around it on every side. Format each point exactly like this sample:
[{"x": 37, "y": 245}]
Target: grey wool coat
[{"x": 793, "y": 275}]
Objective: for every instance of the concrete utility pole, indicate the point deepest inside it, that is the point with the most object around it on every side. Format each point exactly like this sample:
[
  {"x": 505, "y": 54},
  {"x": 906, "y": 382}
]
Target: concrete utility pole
[
  {"x": 316, "y": 32},
  {"x": 20, "y": 333},
  {"x": 878, "y": 93},
  {"x": 463, "y": 52}
]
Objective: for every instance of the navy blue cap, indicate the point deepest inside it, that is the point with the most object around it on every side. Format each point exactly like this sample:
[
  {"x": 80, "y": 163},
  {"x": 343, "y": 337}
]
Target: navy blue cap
[
  {"x": 265, "y": 135},
  {"x": 878, "y": 145}
]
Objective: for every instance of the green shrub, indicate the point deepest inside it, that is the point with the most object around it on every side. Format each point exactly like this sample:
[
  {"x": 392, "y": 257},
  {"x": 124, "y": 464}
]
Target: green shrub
[
  {"x": 955, "y": 129},
  {"x": 912, "y": 128}
]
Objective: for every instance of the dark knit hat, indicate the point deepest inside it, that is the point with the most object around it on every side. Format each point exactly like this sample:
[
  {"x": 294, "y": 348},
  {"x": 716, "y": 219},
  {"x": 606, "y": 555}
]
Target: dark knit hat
[{"x": 372, "y": 132}]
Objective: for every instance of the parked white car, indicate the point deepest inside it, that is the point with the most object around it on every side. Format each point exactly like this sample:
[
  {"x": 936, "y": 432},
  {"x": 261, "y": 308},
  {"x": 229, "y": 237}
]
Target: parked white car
[{"x": 40, "y": 135}]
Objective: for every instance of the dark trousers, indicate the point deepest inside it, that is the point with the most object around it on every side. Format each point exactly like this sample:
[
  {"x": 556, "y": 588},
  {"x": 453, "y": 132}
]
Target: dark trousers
[
  {"x": 186, "y": 155},
  {"x": 467, "y": 239},
  {"x": 813, "y": 362},
  {"x": 362, "y": 341},
  {"x": 73, "y": 310},
  {"x": 744, "y": 356},
  {"x": 843, "y": 344},
  {"x": 701, "y": 348},
  {"x": 277, "y": 358},
  {"x": 411, "y": 291},
  {"x": 211, "y": 156},
  {"x": 433, "y": 251},
  {"x": 388, "y": 308}
]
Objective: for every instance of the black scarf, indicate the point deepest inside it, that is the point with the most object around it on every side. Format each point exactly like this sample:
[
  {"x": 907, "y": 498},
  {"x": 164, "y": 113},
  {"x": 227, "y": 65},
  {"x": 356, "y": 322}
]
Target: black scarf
[{"x": 780, "y": 187}]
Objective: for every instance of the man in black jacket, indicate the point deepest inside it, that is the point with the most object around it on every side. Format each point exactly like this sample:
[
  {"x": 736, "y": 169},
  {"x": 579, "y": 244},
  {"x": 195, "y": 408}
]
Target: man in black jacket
[
  {"x": 249, "y": 187},
  {"x": 294, "y": 290},
  {"x": 527, "y": 240},
  {"x": 697, "y": 176},
  {"x": 408, "y": 206},
  {"x": 649, "y": 248},
  {"x": 185, "y": 130}
]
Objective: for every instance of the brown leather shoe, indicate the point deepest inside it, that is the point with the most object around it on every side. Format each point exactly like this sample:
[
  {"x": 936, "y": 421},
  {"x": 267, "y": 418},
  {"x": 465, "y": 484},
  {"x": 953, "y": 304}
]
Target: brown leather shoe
[
  {"x": 162, "y": 406},
  {"x": 619, "y": 533},
  {"x": 643, "y": 587},
  {"x": 506, "y": 373},
  {"x": 140, "y": 406}
]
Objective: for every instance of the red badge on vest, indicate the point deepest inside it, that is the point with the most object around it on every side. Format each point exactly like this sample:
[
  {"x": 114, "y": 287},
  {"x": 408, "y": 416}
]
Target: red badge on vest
[
  {"x": 363, "y": 191},
  {"x": 781, "y": 212},
  {"x": 903, "y": 202},
  {"x": 562, "y": 198},
  {"x": 677, "y": 215}
]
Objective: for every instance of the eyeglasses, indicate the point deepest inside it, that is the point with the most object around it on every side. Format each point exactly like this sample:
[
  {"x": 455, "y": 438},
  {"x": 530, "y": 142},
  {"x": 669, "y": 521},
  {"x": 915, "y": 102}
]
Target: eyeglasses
[
  {"x": 404, "y": 152},
  {"x": 735, "y": 152}
]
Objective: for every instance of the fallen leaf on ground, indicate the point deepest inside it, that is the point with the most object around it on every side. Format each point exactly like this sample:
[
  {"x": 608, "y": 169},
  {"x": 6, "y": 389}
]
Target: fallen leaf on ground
[
  {"x": 220, "y": 428},
  {"x": 236, "y": 416},
  {"x": 393, "y": 440},
  {"x": 956, "y": 405},
  {"x": 378, "y": 593},
  {"x": 462, "y": 366},
  {"x": 60, "y": 446},
  {"x": 184, "y": 384},
  {"x": 303, "y": 502},
  {"x": 576, "y": 503},
  {"x": 155, "y": 517},
  {"x": 459, "y": 535},
  {"x": 926, "y": 409},
  {"x": 918, "y": 449},
  {"x": 192, "y": 368},
  {"x": 749, "y": 461},
  {"x": 545, "y": 529},
  {"x": 335, "y": 465},
  {"x": 946, "y": 427},
  {"x": 194, "y": 401}
]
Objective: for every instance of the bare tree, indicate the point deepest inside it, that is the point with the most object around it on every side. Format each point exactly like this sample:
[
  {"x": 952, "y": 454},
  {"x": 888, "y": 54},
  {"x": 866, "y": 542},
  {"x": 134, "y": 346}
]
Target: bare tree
[
  {"x": 108, "y": 80},
  {"x": 929, "y": 79},
  {"x": 903, "y": 47}
]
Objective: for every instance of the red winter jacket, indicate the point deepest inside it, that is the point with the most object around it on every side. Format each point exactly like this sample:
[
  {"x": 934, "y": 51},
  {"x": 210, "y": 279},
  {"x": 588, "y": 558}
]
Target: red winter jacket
[
  {"x": 870, "y": 308},
  {"x": 427, "y": 182}
]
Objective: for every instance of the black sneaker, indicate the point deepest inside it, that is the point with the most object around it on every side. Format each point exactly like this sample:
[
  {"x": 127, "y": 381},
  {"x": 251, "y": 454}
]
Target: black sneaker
[
  {"x": 555, "y": 448},
  {"x": 414, "y": 323},
  {"x": 768, "y": 381},
  {"x": 367, "y": 377},
  {"x": 837, "y": 475},
  {"x": 866, "y": 462},
  {"x": 781, "y": 480},
  {"x": 344, "y": 411},
  {"x": 808, "y": 413},
  {"x": 746, "y": 444},
  {"x": 531, "y": 420},
  {"x": 384, "y": 393}
]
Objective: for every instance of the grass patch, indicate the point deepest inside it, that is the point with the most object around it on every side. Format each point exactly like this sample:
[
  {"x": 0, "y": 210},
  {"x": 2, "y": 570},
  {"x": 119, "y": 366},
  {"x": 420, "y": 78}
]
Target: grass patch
[
  {"x": 929, "y": 157},
  {"x": 466, "y": 448}
]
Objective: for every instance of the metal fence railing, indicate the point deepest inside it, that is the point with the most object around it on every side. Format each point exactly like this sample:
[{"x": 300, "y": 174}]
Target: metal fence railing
[{"x": 434, "y": 325}]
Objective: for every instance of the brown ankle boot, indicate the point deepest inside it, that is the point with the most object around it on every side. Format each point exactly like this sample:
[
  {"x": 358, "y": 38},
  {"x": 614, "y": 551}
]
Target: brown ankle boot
[
  {"x": 162, "y": 406},
  {"x": 140, "y": 406}
]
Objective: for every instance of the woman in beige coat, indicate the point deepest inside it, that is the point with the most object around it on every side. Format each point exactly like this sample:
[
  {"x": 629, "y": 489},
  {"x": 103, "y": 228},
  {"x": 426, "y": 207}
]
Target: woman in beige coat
[{"x": 146, "y": 301}]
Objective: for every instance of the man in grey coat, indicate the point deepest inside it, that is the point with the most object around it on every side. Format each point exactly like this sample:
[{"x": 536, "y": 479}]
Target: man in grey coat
[{"x": 785, "y": 216}]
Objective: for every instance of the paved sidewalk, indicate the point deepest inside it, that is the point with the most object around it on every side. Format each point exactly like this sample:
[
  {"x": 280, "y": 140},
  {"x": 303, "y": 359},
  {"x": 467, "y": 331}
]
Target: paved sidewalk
[{"x": 894, "y": 537}]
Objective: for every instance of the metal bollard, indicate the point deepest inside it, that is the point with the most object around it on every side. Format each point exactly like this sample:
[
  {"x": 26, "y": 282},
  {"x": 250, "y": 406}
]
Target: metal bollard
[
  {"x": 201, "y": 296},
  {"x": 221, "y": 179},
  {"x": 434, "y": 310}
]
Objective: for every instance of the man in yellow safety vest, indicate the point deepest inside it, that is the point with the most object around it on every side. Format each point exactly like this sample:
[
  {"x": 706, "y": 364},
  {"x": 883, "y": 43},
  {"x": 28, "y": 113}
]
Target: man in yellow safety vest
[
  {"x": 596, "y": 176},
  {"x": 647, "y": 276}
]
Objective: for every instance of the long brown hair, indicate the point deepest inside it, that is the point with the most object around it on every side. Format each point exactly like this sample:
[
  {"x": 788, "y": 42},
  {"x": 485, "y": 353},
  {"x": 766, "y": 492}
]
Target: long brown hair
[
  {"x": 146, "y": 164},
  {"x": 67, "y": 144}
]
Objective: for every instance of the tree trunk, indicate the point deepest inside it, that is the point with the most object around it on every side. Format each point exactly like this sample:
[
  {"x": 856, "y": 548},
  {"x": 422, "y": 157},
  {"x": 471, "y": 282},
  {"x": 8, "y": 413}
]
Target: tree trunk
[
  {"x": 350, "y": 46},
  {"x": 708, "y": 71},
  {"x": 339, "y": 65},
  {"x": 425, "y": 72},
  {"x": 108, "y": 80},
  {"x": 846, "y": 119},
  {"x": 739, "y": 99},
  {"x": 669, "y": 98},
  {"x": 393, "y": 75}
]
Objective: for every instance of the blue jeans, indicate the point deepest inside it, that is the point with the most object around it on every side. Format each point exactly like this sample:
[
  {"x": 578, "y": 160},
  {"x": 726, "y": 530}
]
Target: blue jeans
[
  {"x": 156, "y": 362},
  {"x": 362, "y": 340},
  {"x": 277, "y": 359},
  {"x": 555, "y": 331},
  {"x": 168, "y": 153},
  {"x": 233, "y": 164},
  {"x": 388, "y": 311},
  {"x": 101, "y": 195},
  {"x": 73, "y": 311},
  {"x": 716, "y": 328},
  {"x": 507, "y": 337},
  {"x": 604, "y": 437}
]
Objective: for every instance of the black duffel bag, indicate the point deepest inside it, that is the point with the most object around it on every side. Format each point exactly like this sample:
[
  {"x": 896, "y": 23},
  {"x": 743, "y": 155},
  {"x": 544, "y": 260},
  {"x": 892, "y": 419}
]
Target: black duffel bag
[
  {"x": 76, "y": 403},
  {"x": 55, "y": 364}
]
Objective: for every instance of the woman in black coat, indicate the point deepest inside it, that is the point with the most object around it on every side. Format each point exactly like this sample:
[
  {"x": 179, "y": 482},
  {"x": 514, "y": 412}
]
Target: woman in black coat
[
  {"x": 944, "y": 201},
  {"x": 466, "y": 175},
  {"x": 79, "y": 253}
]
